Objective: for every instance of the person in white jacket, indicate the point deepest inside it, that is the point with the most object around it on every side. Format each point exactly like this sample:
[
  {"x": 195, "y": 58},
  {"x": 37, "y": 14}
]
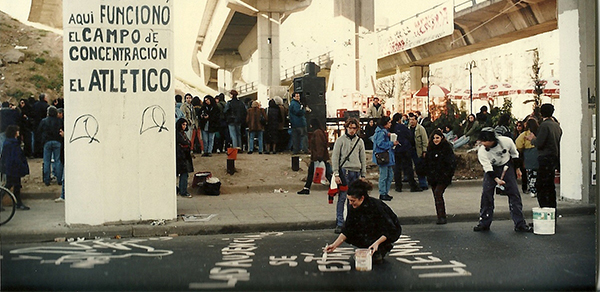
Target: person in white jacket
[{"x": 496, "y": 155}]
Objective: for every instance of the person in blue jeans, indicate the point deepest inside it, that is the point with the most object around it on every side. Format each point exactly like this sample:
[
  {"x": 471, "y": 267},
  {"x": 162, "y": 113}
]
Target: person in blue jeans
[
  {"x": 349, "y": 163},
  {"x": 49, "y": 130},
  {"x": 382, "y": 144}
]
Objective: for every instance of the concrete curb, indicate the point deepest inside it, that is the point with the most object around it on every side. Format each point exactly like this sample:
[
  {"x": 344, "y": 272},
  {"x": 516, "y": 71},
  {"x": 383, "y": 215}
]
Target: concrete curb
[
  {"x": 237, "y": 189},
  {"x": 180, "y": 228}
]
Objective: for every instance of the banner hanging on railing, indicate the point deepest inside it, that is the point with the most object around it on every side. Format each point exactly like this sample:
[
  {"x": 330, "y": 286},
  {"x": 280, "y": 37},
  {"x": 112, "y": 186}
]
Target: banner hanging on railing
[{"x": 425, "y": 27}]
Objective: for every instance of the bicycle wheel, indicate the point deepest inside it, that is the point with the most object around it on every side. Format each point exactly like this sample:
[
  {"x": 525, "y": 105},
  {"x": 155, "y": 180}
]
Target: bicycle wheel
[{"x": 8, "y": 205}]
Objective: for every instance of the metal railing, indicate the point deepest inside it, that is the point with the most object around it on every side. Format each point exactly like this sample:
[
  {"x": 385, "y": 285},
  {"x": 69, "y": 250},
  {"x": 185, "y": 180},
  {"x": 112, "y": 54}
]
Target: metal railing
[{"x": 323, "y": 61}]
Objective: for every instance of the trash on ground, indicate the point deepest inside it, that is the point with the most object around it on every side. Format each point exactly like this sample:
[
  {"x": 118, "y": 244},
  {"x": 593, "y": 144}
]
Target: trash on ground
[
  {"x": 198, "y": 217},
  {"x": 60, "y": 239},
  {"x": 280, "y": 190},
  {"x": 158, "y": 222}
]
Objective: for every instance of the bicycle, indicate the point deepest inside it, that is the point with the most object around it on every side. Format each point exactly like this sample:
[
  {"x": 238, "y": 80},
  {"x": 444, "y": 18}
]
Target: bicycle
[{"x": 7, "y": 210}]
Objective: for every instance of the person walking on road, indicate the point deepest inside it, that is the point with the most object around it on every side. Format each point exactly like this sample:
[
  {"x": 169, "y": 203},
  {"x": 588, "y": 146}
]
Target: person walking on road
[
  {"x": 547, "y": 142},
  {"x": 349, "y": 163},
  {"x": 440, "y": 163},
  {"x": 318, "y": 153},
  {"x": 370, "y": 223},
  {"x": 13, "y": 163},
  {"x": 381, "y": 145},
  {"x": 496, "y": 156}
]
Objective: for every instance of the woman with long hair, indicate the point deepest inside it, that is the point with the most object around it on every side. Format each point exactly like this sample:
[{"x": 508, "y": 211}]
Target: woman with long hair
[
  {"x": 530, "y": 155},
  {"x": 183, "y": 152},
  {"x": 381, "y": 145},
  {"x": 440, "y": 163}
]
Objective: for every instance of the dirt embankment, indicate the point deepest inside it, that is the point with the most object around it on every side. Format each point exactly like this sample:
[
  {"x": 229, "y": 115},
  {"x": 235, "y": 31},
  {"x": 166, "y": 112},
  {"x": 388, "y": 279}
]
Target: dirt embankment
[{"x": 38, "y": 66}]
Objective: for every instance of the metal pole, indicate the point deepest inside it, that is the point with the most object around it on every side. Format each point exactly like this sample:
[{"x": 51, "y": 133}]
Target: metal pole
[
  {"x": 427, "y": 76},
  {"x": 471, "y": 88}
]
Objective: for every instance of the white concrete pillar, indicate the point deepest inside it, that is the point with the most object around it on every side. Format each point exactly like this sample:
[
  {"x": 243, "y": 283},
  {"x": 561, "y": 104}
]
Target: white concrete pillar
[
  {"x": 119, "y": 118},
  {"x": 577, "y": 76},
  {"x": 224, "y": 80},
  {"x": 268, "y": 52}
]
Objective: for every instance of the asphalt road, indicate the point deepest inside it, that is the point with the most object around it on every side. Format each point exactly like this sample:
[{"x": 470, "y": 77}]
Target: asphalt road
[{"x": 427, "y": 257}]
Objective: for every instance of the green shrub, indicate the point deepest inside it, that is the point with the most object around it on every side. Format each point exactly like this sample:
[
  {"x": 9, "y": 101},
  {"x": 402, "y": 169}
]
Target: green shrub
[
  {"x": 39, "y": 60},
  {"x": 39, "y": 81}
]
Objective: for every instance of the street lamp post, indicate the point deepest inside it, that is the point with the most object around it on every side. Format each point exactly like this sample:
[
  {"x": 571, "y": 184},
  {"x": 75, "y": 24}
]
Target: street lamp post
[
  {"x": 470, "y": 66},
  {"x": 423, "y": 80}
]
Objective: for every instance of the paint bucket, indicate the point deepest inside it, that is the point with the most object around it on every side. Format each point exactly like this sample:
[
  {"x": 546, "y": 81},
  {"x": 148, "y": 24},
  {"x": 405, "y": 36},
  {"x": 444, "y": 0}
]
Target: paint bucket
[
  {"x": 543, "y": 220},
  {"x": 232, "y": 153},
  {"x": 363, "y": 260}
]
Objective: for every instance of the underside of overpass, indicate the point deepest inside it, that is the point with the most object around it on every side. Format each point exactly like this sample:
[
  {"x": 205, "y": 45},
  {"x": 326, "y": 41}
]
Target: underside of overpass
[{"x": 479, "y": 27}]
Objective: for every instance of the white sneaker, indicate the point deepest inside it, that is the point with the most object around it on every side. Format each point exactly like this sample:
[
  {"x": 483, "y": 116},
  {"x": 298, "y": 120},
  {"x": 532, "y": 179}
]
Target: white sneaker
[
  {"x": 59, "y": 200},
  {"x": 533, "y": 195}
]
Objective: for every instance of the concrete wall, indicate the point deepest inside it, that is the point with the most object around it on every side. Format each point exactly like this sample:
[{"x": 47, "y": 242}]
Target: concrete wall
[
  {"x": 119, "y": 126},
  {"x": 577, "y": 67}
]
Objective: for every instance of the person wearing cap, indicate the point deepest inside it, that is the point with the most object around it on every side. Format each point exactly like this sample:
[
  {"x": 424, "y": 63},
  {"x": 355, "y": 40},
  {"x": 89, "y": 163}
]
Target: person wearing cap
[
  {"x": 547, "y": 143},
  {"x": 496, "y": 156}
]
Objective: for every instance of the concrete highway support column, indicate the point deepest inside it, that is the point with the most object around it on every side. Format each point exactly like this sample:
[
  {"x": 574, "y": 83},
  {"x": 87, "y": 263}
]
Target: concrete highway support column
[
  {"x": 577, "y": 39},
  {"x": 268, "y": 24}
]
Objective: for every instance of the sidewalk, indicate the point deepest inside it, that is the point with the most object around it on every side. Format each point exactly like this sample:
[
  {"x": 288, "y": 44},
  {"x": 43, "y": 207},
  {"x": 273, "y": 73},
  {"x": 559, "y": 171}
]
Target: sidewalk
[{"x": 254, "y": 208}]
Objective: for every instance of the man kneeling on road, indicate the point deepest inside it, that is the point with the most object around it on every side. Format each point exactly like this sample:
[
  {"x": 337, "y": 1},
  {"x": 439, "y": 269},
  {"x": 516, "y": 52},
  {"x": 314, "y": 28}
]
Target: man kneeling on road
[{"x": 495, "y": 156}]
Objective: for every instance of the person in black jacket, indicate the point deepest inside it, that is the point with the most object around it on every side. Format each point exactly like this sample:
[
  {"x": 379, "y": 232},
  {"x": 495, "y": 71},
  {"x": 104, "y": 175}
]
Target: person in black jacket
[
  {"x": 183, "y": 152},
  {"x": 13, "y": 163},
  {"x": 49, "y": 130},
  {"x": 440, "y": 164},
  {"x": 235, "y": 114},
  {"x": 370, "y": 223},
  {"x": 402, "y": 155},
  {"x": 209, "y": 123}
]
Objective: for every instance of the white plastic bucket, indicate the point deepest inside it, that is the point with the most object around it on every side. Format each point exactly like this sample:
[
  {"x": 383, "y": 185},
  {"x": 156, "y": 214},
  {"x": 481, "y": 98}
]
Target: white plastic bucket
[
  {"x": 363, "y": 259},
  {"x": 543, "y": 220}
]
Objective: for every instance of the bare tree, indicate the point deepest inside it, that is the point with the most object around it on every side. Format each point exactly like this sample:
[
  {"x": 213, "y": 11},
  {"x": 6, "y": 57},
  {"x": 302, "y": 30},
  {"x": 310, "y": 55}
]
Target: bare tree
[{"x": 538, "y": 87}]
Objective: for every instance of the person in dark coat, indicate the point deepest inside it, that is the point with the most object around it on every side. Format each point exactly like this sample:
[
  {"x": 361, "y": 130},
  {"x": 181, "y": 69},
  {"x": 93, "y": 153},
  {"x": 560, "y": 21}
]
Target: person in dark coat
[
  {"x": 26, "y": 126},
  {"x": 274, "y": 120},
  {"x": 49, "y": 130},
  {"x": 235, "y": 114},
  {"x": 255, "y": 119},
  {"x": 318, "y": 147},
  {"x": 40, "y": 109},
  {"x": 440, "y": 164},
  {"x": 183, "y": 153},
  {"x": 369, "y": 131},
  {"x": 370, "y": 223},
  {"x": 13, "y": 164},
  {"x": 209, "y": 123},
  {"x": 402, "y": 152}
]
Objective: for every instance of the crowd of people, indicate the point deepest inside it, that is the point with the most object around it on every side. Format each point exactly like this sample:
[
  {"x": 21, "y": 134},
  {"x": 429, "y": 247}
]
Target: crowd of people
[
  {"x": 27, "y": 130},
  {"x": 402, "y": 147}
]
